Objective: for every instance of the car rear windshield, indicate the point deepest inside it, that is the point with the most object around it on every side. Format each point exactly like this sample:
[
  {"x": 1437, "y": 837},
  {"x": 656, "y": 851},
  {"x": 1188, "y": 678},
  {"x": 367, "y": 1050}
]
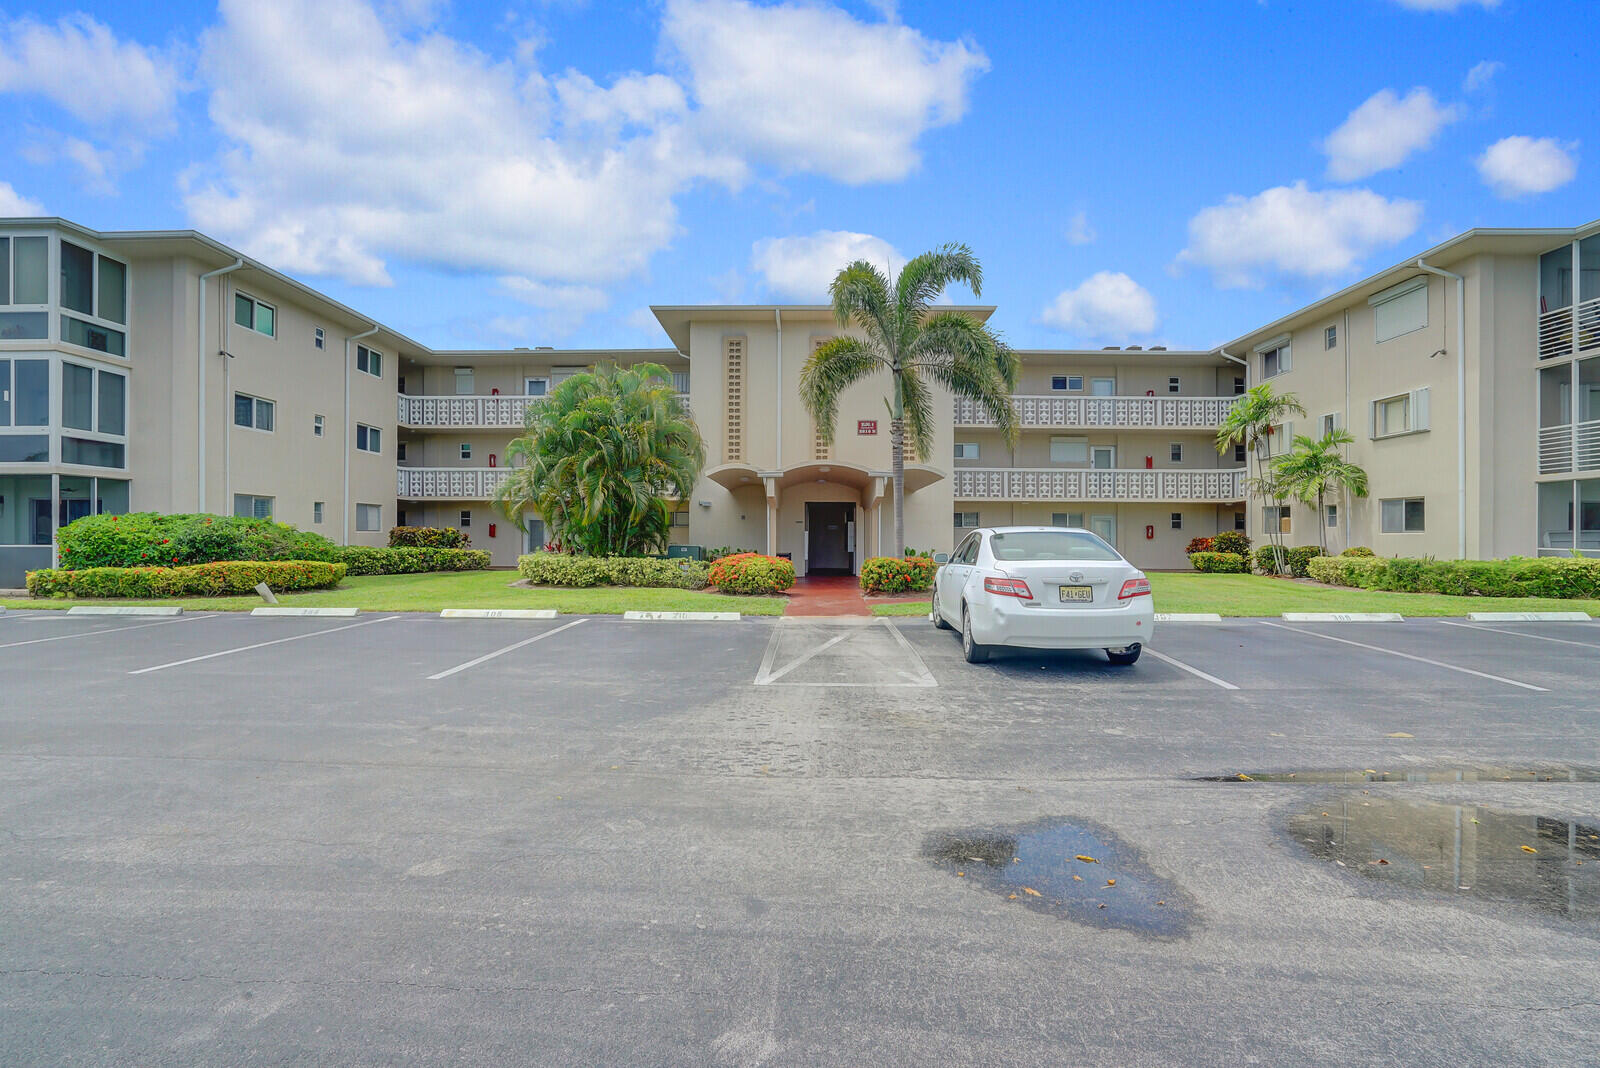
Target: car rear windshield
[{"x": 1050, "y": 545}]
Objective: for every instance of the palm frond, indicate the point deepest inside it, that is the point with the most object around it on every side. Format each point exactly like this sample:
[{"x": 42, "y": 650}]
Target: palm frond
[
  {"x": 837, "y": 364},
  {"x": 928, "y": 275}
]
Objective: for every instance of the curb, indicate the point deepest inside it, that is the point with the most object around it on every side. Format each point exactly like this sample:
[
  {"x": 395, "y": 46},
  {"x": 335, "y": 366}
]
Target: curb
[
  {"x": 1188, "y": 617},
  {"x": 341, "y": 612},
  {"x": 683, "y": 617},
  {"x": 1344, "y": 617},
  {"x": 497, "y": 613},
  {"x": 1528, "y": 617},
  {"x": 124, "y": 610}
]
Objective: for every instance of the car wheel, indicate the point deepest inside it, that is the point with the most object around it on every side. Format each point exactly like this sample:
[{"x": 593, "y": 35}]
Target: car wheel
[
  {"x": 975, "y": 653},
  {"x": 1125, "y": 658},
  {"x": 935, "y": 616}
]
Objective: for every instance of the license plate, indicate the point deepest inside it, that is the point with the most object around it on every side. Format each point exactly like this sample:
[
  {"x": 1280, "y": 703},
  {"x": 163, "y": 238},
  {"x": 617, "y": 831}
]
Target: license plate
[{"x": 1077, "y": 593}]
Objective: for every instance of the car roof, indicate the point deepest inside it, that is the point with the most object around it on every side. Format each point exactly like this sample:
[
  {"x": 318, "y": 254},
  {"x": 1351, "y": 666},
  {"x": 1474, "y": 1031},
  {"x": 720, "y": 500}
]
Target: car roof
[{"x": 1031, "y": 530}]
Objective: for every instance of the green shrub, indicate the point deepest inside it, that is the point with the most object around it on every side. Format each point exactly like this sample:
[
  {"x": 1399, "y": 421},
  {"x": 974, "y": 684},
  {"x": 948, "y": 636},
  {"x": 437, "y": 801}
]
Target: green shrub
[
  {"x": 1295, "y": 559},
  {"x": 196, "y": 580},
  {"x": 751, "y": 573},
  {"x": 428, "y": 538},
  {"x": 151, "y": 539},
  {"x": 1200, "y": 545},
  {"x": 570, "y": 569},
  {"x": 888, "y": 574},
  {"x": 1231, "y": 541},
  {"x": 1218, "y": 563},
  {"x": 1266, "y": 561},
  {"x": 1358, "y": 550},
  {"x": 367, "y": 560},
  {"x": 720, "y": 551},
  {"x": 1516, "y": 577}
]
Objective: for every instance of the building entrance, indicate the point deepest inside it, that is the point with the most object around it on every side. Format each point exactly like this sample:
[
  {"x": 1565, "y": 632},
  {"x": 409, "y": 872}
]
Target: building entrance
[{"x": 830, "y": 537}]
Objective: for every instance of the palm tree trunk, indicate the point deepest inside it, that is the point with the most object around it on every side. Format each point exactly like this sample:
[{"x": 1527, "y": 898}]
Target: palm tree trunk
[
  {"x": 1322, "y": 523},
  {"x": 1275, "y": 530},
  {"x": 897, "y": 447}
]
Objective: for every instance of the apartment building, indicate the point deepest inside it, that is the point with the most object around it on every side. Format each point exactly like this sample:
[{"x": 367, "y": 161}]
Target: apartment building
[{"x": 165, "y": 371}]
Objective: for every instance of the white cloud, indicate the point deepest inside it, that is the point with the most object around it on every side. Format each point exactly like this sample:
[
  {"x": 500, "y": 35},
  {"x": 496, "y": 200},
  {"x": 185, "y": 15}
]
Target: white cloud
[
  {"x": 801, "y": 268},
  {"x": 1383, "y": 131},
  {"x": 1519, "y": 166},
  {"x": 14, "y": 205},
  {"x": 1107, "y": 304},
  {"x": 1292, "y": 230},
  {"x": 1481, "y": 75},
  {"x": 80, "y": 65},
  {"x": 1079, "y": 230},
  {"x": 1446, "y": 5},
  {"x": 805, "y": 87}
]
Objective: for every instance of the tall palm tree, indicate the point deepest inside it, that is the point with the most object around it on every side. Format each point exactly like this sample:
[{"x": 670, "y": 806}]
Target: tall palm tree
[
  {"x": 1249, "y": 423},
  {"x": 1311, "y": 469},
  {"x": 602, "y": 459},
  {"x": 904, "y": 336}
]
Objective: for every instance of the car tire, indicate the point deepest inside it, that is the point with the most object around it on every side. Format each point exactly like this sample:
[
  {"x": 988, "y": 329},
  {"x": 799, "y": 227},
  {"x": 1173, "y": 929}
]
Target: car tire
[
  {"x": 975, "y": 653},
  {"x": 1125, "y": 658},
  {"x": 935, "y": 616}
]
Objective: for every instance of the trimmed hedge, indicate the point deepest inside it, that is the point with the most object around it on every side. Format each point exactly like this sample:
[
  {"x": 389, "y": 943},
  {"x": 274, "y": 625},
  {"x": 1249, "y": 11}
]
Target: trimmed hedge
[
  {"x": 366, "y": 560},
  {"x": 1295, "y": 557},
  {"x": 197, "y": 580},
  {"x": 151, "y": 539},
  {"x": 1555, "y": 577},
  {"x": 1358, "y": 550},
  {"x": 1231, "y": 541},
  {"x": 890, "y": 574},
  {"x": 570, "y": 569},
  {"x": 428, "y": 538},
  {"x": 1218, "y": 563},
  {"x": 751, "y": 573}
]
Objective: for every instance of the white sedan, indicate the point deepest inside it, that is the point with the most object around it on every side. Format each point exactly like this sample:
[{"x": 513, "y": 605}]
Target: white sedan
[{"x": 1043, "y": 588}]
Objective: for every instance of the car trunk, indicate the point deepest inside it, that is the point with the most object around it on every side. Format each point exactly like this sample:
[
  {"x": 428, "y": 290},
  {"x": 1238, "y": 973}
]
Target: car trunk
[{"x": 1046, "y": 577}]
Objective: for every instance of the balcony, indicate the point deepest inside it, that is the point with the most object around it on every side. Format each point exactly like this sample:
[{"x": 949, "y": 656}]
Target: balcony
[
  {"x": 471, "y": 412},
  {"x": 1097, "y": 484},
  {"x": 449, "y": 483},
  {"x": 1122, "y": 413},
  {"x": 1569, "y": 447}
]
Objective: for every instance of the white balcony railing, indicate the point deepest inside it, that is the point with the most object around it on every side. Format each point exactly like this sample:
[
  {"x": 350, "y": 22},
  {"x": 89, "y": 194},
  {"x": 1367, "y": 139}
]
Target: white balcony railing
[
  {"x": 1555, "y": 449},
  {"x": 1586, "y": 446},
  {"x": 1589, "y": 324},
  {"x": 1175, "y": 413},
  {"x": 467, "y": 412},
  {"x": 449, "y": 483},
  {"x": 1555, "y": 333},
  {"x": 1097, "y": 484}
]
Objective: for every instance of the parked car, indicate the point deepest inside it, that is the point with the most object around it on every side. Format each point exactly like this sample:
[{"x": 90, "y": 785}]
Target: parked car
[{"x": 1043, "y": 588}]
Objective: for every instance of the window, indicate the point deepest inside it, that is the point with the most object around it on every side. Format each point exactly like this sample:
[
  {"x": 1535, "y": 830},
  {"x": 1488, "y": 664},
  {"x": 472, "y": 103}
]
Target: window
[
  {"x": 1238, "y": 521},
  {"x": 251, "y": 507},
  {"x": 1174, "y": 385},
  {"x": 966, "y": 519},
  {"x": 1102, "y": 387},
  {"x": 1276, "y": 356},
  {"x": 1330, "y": 423},
  {"x": 252, "y": 412},
  {"x": 24, "y": 392},
  {"x": 317, "y": 426},
  {"x": 1331, "y": 516},
  {"x": 1400, "y": 309},
  {"x": 253, "y": 314},
  {"x": 77, "y": 278},
  {"x": 1406, "y": 413},
  {"x": 1238, "y": 452},
  {"x": 93, "y": 453},
  {"x": 465, "y": 519},
  {"x": 1330, "y": 338},
  {"x": 1069, "y": 450},
  {"x": 466, "y": 450},
  {"x": 1177, "y": 520},
  {"x": 680, "y": 519},
  {"x": 463, "y": 381},
  {"x": 318, "y": 339},
  {"x": 1238, "y": 385},
  {"x": 1066, "y": 519},
  {"x": 368, "y": 438},
  {"x": 966, "y": 450},
  {"x": 1279, "y": 514},
  {"x": 369, "y": 517},
  {"x": 400, "y": 454},
  {"x": 95, "y": 286},
  {"x": 1072, "y": 383},
  {"x": 537, "y": 387},
  {"x": 1175, "y": 452},
  {"x": 399, "y": 517},
  {"x": 91, "y": 399},
  {"x": 316, "y": 511},
  {"x": 1403, "y": 515},
  {"x": 369, "y": 361}
]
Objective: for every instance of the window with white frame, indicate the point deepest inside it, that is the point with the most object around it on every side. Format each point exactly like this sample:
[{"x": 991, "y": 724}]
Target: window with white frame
[
  {"x": 538, "y": 387},
  {"x": 1238, "y": 520},
  {"x": 1276, "y": 357},
  {"x": 1404, "y": 413},
  {"x": 1066, "y": 519},
  {"x": 96, "y": 287},
  {"x": 249, "y": 506},
  {"x": 1177, "y": 520},
  {"x": 1069, "y": 450},
  {"x": 1175, "y": 452},
  {"x": 253, "y": 413},
  {"x": 1330, "y": 338},
  {"x": 1331, "y": 515},
  {"x": 319, "y": 339},
  {"x": 368, "y": 438},
  {"x": 369, "y": 361},
  {"x": 92, "y": 399},
  {"x": 1238, "y": 452},
  {"x": 1399, "y": 309},
  {"x": 369, "y": 517},
  {"x": 966, "y": 519},
  {"x": 1070, "y": 383},
  {"x": 253, "y": 314},
  {"x": 1279, "y": 514},
  {"x": 1330, "y": 423},
  {"x": 1174, "y": 385},
  {"x": 464, "y": 520},
  {"x": 680, "y": 519},
  {"x": 1403, "y": 515},
  {"x": 25, "y": 287},
  {"x": 966, "y": 450},
  {"x": 316, "y": 511},
  {"x": 463, "y": 381},
  {"x": 466, "y": 450},
  {"x": 1238, "y": 385},
  {"x": 317, "y": 426}
]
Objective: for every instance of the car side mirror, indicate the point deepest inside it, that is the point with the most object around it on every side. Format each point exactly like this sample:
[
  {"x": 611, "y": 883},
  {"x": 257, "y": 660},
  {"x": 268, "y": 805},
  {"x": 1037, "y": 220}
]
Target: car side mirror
[{"x": 941, "y": 558}]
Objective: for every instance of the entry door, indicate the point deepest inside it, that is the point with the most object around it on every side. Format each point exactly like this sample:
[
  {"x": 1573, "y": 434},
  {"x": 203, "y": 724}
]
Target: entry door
[
  {"x": 534, "y": 539},
  {"x": 828, "y": 534},
  {"x": 1102, "y": 387},
  {"x": 1105, "y": 526},
  {"x": 1103, "y": 457}
]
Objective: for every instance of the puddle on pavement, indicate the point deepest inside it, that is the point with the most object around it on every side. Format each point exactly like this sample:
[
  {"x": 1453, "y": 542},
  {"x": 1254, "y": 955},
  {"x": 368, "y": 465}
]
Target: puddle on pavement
[
  {"x": 1043, "y": 866},
  {"x": 1551, "y": 865},
  {"x": 1463, "y": 773}
]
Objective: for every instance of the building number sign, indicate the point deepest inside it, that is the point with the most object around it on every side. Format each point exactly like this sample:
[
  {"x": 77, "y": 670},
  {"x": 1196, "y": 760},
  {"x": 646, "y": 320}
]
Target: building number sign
[{"x": 866, "y": 426}]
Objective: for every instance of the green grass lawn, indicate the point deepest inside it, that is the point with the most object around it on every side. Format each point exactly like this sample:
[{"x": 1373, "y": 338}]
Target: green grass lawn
[
  {"x": 461, "y": 589},
  {"x": 1257, "y": 595}
]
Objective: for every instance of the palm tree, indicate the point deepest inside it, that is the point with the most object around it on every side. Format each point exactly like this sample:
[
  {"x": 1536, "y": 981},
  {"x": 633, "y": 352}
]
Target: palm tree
[
  {"x": 601, "y": 460},
  {"x": 903, "y": 335},
  {"x": 1249, "y": 423},
  {"x": 1312, "y": 469}
]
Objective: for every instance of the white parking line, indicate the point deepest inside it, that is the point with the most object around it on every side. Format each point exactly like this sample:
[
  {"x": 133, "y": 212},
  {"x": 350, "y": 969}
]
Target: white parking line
[
  {"x": 1519, "y": 634},
  {"x": 1408, "y": 656},
  {"x": 104, "y": 630},
  {"x": 766, "y": 676},
  {"x": 1181, "y": 666},
  {"x": 499, "y": 652},
  {"x": 258, "y": 645}
]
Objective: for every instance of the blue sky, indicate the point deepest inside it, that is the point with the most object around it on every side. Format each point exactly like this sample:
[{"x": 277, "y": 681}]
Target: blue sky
[{"x": 539, "y": 172}]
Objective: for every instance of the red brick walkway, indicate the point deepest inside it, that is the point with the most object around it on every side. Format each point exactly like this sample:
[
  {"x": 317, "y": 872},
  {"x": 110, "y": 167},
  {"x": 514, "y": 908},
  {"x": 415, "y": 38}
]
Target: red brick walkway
[{"x": 827, "y": 595}]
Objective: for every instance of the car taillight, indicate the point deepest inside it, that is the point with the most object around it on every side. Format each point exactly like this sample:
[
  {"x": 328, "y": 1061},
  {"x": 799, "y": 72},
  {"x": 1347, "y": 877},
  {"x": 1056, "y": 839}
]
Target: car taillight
[
  {"x": 1139, "y": 587},
  {"x": 1008, "y": 587}
]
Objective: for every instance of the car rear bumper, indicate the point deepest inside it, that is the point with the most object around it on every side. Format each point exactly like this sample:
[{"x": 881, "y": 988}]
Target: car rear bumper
[{"x": 1015, "y": 624}]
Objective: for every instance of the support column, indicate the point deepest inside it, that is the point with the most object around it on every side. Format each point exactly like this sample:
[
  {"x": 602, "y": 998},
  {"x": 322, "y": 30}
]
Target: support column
[{"x": 772, "y": 517}]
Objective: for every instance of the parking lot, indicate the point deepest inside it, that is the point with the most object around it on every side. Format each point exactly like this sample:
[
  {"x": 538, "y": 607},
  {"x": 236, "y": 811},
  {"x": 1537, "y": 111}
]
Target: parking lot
[{"x": 399, "y": 838}]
